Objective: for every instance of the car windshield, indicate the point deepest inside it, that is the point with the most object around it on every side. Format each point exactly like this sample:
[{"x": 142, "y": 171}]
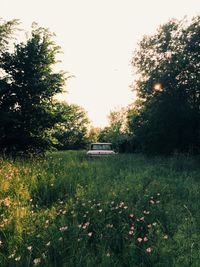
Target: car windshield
[{"x": 101, "y": 147}]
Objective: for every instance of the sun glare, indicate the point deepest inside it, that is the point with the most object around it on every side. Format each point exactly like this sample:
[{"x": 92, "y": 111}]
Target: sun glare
[{"x": 158, "y": 87}]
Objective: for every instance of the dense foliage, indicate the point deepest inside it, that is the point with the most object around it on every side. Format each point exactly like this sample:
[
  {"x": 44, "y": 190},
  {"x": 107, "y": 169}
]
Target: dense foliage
[
  {"x": 71, "y": 131},
  {"x": 116, "y": 132},
  {"x": 27, "y": 87},
  {"x": 166, "y": 117}
]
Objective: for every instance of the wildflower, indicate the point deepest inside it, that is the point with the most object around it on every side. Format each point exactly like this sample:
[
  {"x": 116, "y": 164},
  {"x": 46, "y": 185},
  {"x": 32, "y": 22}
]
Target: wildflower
[
  {"x": 1, "y": 243},
  {"x": 139, "y": 239},
  {"x": 146, "y": 212},
  {"x": 36, "y": 261},
  {"x": 132, "y": 227},
  {"x": 29, "y": 248},
  {"x": 154, "y": 224},
  {"x": 149, "y": 225},
  {"x": 90, "y": 234},
  {"x": 64, "y": 228},
  {"x": 152, "y": 201},
  {"x": 48, "y": 244},
  {"x": 60, "y": 238},
  {"x": 158, "y": 201},
  {"x": 149, "y": 250},
  {"x": 121, "y": 204},
  {"x": 158, "y": 194},
  {"x": 142, "y": 219},
  {"x": 109, "y": 225},
  {"x": 131, "y": 232},
  {"x": 125, "y": 207},
  {"x": 100, "y": 210},
  {"x": 11, "y": 256},
  {"x": 108, "y": 254},
  {"x": 145, "y": 239},
  {"x": 165, "y": 237},
  {"x": 85, "y": 225},
  {"x": 7, "y": 201},
  {"x": 18, "y": 258},
  {"x": 131, "y": 215}
]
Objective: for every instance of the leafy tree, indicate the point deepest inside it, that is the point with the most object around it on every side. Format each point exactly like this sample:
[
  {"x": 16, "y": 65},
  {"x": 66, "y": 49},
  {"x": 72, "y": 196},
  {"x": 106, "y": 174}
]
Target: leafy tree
[
  {"x": 27, "y": 88},
  {"x": 116, "y": 132},
  {"x": 7, "y": 29},
  {"x": 168, "y": 86},
  {"x": 93, "y": 134},
  {"x": 71, "y": 131}
]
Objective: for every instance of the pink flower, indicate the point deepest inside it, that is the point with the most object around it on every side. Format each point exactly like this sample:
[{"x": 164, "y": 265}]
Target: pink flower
[
  {"x": 36, "y": 261},
  {"x": 131, "y": 232},
  {"x": 146, "y": 212},
  {"x": 139, "y": 239},
  {"x": 149, "y": 250},
  {"x": 18, "y": 258}
]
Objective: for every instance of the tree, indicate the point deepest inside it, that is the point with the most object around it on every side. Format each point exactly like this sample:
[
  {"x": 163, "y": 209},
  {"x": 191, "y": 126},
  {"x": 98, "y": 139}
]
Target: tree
[
  {"x": 116, "y": 132},
  {"x": 27, "y": 88},
  {"x": 71, "y": 131},
  {"x": 168, "y": 86},
  {"x": 7, "y": 29},
  {"x": 93, "y": 134}
]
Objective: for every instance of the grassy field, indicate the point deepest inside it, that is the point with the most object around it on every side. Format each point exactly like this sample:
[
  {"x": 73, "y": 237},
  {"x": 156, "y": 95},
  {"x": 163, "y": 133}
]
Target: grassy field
[{"x": 127, "y": 210}]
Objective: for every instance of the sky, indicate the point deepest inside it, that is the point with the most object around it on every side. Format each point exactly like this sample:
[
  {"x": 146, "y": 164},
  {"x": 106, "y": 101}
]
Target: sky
[{"x": 98, "y": 38}]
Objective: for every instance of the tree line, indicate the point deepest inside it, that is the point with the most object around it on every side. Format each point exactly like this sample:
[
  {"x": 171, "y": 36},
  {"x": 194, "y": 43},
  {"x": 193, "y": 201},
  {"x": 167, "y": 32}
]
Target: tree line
[{"x": 164, "y": 119}]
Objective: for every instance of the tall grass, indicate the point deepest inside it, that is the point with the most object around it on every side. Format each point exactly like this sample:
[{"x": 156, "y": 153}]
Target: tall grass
[{"x": 126, "y": 210}]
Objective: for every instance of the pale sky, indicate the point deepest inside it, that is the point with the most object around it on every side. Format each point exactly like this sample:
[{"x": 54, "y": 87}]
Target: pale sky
[{"x": 98, "y": 38}]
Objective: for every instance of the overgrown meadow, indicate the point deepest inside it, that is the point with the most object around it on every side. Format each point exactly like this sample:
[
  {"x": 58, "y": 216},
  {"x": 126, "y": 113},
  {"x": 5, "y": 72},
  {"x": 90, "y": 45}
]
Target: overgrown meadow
[{"x": 124, "y": 210}]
